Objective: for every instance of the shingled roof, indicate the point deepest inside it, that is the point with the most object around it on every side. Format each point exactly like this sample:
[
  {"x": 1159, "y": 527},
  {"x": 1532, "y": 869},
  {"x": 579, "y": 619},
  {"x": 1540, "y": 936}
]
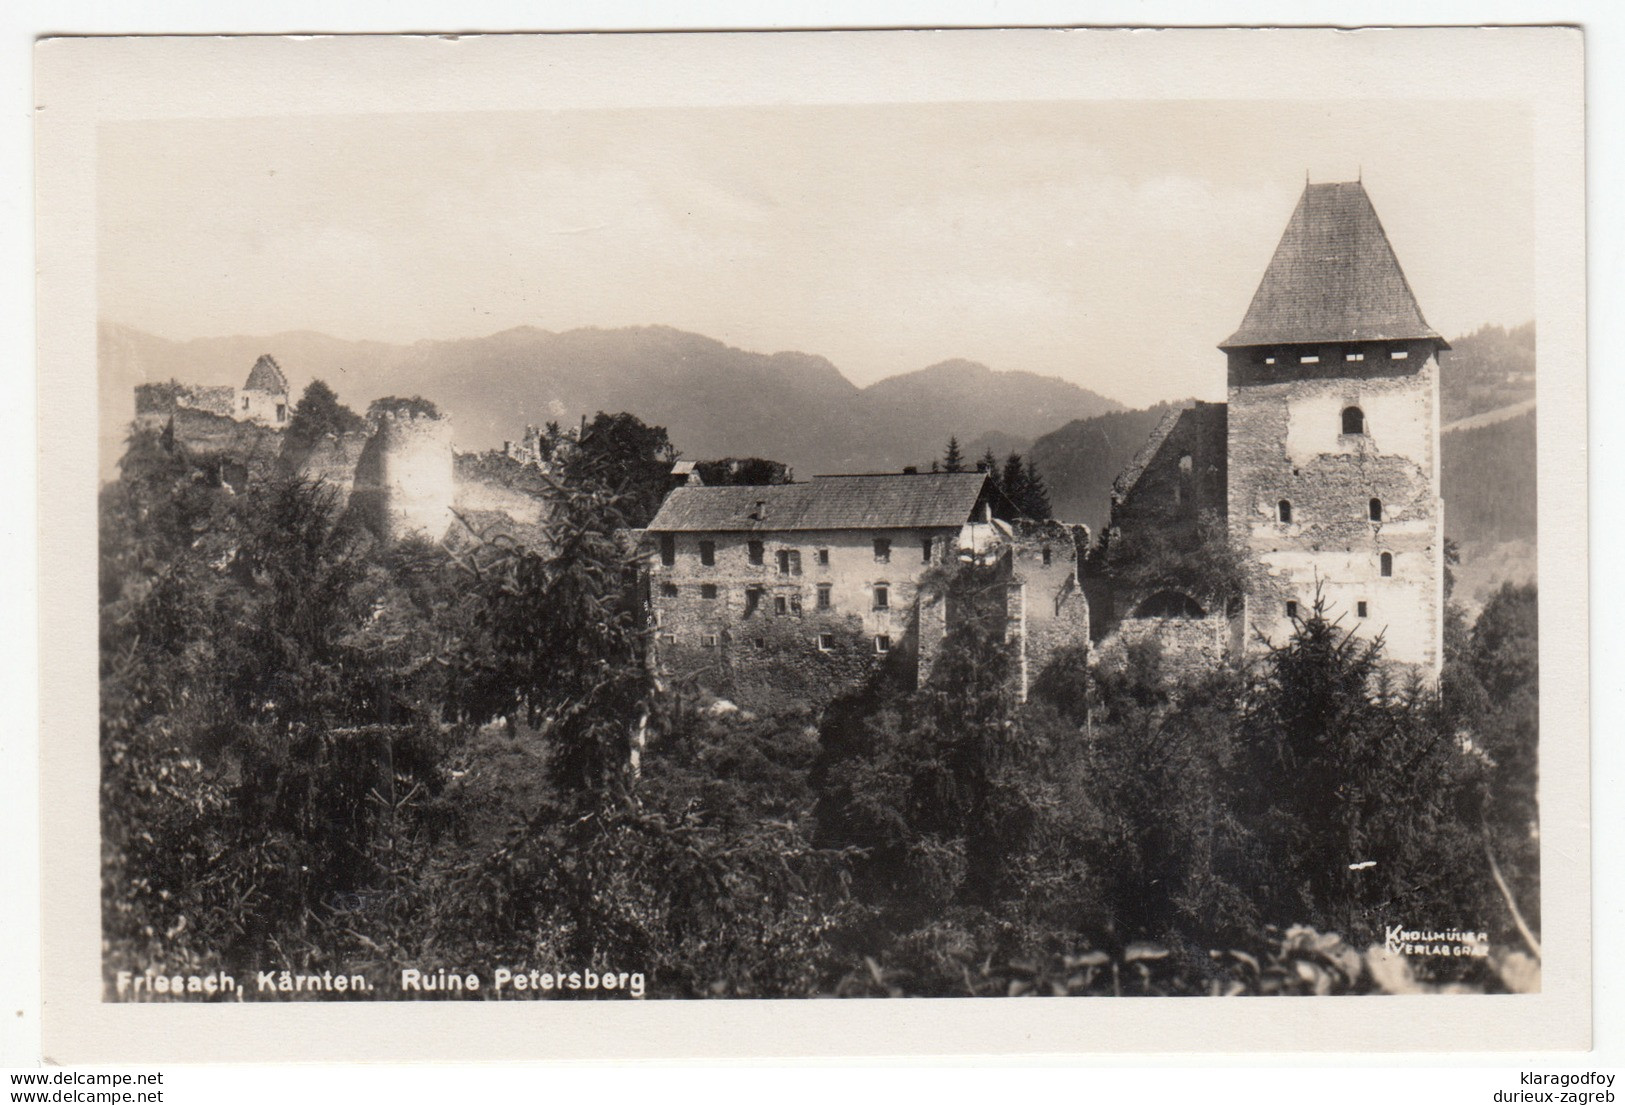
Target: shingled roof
[
  {"x": 1334, "y": 277},
  {"x": 266, "y": 375},
  {"x": 926, "y": 501}
]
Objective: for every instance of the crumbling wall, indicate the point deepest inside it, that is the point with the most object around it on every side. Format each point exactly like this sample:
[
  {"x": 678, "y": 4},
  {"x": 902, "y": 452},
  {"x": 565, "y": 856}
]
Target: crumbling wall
[
  {"x": 1045, "y": 560},
  {"x": 1190, "y": 647}
]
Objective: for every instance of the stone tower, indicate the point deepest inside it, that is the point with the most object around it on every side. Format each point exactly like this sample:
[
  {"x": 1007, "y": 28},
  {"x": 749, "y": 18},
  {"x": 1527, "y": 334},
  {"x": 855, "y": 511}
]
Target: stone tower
[
  {"x": 1333, "y": 436},
  {"x": 405, "y": 481}
]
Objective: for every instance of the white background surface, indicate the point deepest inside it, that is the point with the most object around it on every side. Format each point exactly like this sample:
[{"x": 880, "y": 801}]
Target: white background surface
[{"x": 19, "y": 811}]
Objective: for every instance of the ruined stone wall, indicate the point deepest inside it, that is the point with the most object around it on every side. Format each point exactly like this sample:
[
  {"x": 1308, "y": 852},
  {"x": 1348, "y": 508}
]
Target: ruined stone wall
[
  {"x": 154, "y": 403},
  {"x": 1165, "y": 490},
  {"x": 251, "y": 449},
  {"x": 498, "y": 494},
  {"x": 333, "y": 459},
  {"x": 1286, "y": 443},
  {"x": 1190, "y": 647},
  {"x": 265, "y": 407},
  {"x": 1044, "y": 561}
]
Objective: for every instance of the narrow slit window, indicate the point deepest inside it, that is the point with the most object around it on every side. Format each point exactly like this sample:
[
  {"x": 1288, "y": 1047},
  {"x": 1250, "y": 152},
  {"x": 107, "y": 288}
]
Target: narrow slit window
[
  {"x": 1283, "y": 511},
  {"x": 1387, "y": 564},
  {"x": 1046, "y": 555},
  {"x": 1361, "y": 610},
  {"x": 823, "y": 558},
  {"x": 668, "y": 549},
  {"x": 925, "y": 550}
]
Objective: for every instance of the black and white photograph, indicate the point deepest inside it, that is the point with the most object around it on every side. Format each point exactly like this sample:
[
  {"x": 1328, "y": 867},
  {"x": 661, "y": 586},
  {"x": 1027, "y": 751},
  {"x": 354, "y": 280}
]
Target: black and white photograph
[{"x": 952, "y": 545}]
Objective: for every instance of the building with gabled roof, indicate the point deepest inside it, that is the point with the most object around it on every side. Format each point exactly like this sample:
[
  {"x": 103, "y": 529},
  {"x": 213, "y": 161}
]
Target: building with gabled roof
[
  {"x": 798, "y": 591},
  {"x": 1323, "y": 464}
]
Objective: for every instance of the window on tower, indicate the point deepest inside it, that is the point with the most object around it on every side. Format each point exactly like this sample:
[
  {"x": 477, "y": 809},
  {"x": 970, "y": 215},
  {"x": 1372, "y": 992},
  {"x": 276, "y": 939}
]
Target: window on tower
[
  {"x": 1283, "y": 510},
  {"x": 1374, "y": 510},
  {"x": 1387, "y": 561},
  {"x": 1353, "y": 420}
]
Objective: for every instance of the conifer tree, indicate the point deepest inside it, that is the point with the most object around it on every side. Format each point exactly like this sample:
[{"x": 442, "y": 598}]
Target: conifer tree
[{"x": 953, "y": 460}]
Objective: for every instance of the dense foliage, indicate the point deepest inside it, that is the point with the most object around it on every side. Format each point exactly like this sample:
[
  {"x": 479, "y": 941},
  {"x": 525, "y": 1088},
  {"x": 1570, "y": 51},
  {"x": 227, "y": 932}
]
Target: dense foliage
[{"x": 320, "y": 752}]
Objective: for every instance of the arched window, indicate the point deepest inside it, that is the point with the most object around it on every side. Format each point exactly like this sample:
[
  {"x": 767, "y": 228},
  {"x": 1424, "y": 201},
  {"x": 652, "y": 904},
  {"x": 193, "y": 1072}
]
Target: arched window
[
  {"x": 1375, "y": 509},
  {"x": 1170, "y": 604},
  {"x": 1353, "y": 420},
  {"x": 1387, "y": 563},
  {"x": 1283, "y": 510}
]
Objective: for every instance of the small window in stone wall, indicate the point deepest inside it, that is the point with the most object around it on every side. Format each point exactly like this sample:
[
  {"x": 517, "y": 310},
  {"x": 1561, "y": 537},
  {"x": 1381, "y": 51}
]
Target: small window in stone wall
[
  {"x": 668, "y": 549},
  {"x": 708, "y": 640},
  {"x": 1283, "y": 511},
  {"x": 1360, "y": 609},
  {"x": 753, "y": 600},
  {"x": 1046, "y": 556},
  {"x": 826, "y": 642},
  {"x": 781, "y": 604},
  {"x": 758, "y": 643},
  {"x": 1353, "y": 420},
  {"x": 1309, "y": 358},
  {"x": 754, "y": 548},
  {"x": 1353, "y": 357},
  {"x": 1400, "y": 355},
  {"x": 1387, "y": 561},
  {"x": 282, "y": 412},
  {"x": 708, "y": 590},
  {"x": 882, "y": 550},
  {"x": 823, "y": 558},
  {"x": 824, "y": 596},
  {"x": 668, "y": 590},
  {"x": 1374, "y": 510},
  {"x": 789, "y": 562},
  {"x": 882, "y": 643},
  {"x": 668, "y": 638},
  {"x": 1291, "y": 609},
  {"x": 925, "y": 550},
  {"x": 708, "y": 553},
  {"x": 882, "y": 597}
]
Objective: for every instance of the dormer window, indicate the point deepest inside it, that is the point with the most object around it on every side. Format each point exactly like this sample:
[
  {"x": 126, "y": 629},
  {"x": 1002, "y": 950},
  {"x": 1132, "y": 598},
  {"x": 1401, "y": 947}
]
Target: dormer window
[{"x": 1353, "y": 420}]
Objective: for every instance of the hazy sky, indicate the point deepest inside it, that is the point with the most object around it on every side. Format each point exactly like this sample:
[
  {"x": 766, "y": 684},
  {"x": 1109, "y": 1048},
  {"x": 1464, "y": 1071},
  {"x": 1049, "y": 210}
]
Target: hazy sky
[{"x": 1111, "y": 243}]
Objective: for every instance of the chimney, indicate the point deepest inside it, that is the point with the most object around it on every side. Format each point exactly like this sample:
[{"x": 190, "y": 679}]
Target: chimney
[
  {"x": 761, "y": 510},
  {"x": 911, "y": 471}
]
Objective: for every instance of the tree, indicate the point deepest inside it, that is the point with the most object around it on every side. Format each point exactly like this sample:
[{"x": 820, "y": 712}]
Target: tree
[
  {"x": 743, "y": 471},
  {"x": 952, "y": 459},
  {"x": 989, "y": 464},
  {"x": 627, "y": 460},
  {"x": 1363, "y": 800},
  {"x": 318, "y": 414},
  {"x": 414, "y": 405}
]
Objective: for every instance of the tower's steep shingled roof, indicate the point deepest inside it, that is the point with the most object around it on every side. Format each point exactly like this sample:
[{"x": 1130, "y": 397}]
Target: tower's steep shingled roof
[
  {"x": 925, "y": 501},
  {"x": 1334, "y": 277},
  {"x": 266, "y": 375}
]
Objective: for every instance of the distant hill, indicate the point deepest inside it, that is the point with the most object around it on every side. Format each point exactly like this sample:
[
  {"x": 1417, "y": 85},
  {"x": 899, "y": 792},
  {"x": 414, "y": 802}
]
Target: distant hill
[
  {"x": 1491, "y": 368},
  {"x": 713, "y": 399}
]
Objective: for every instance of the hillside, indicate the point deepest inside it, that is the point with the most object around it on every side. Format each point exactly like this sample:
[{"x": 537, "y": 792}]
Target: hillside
[
  {"x": 1080, "y": 460},
  {"x": 714, "y": 400}
]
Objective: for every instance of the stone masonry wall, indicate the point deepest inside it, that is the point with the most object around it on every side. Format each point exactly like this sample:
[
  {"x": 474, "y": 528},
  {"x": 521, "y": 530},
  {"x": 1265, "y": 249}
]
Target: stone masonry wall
[{"x": 1286, "y": 443}]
